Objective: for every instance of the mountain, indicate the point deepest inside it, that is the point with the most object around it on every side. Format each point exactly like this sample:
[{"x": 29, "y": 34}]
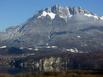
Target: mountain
[{"x": 64, "y": 27}]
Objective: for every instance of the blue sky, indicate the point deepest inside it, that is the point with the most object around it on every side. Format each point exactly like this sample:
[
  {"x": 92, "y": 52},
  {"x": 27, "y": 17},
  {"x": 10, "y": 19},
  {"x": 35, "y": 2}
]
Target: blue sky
[{"x": 13, "y": 12}]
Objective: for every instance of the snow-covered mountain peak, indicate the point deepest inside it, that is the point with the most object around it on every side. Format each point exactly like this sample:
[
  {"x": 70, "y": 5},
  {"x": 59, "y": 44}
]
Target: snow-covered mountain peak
[
  {"x": 64, "y": 12},
  {"x": 69, "y": 27},
  {"x": 69, "y": 10}
]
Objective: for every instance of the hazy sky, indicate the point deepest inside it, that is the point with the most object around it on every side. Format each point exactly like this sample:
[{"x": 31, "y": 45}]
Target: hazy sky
[{"x": 14, "y": 12}]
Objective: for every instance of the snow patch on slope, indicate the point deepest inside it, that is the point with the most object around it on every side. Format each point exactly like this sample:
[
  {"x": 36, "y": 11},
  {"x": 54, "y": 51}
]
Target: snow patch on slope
[
  {"x": 90, "y": 15},
  {"x": 70, "y": 15},
  {"x": 44, "y": 13},
  {"x": 75, "y": 50},
  {"x": 94, "y": 16},
  {"x": 101, "y": 17},
  {"x": 3, "y": 47}
]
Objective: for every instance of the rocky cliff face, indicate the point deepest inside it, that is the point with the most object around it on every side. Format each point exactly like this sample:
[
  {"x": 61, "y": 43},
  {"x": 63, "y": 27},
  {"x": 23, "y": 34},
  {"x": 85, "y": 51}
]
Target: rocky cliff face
[
  {"x": 68, "y": 27},
  {"x": 44, "y": 64},
  {"x": 49, "y": 64}
]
